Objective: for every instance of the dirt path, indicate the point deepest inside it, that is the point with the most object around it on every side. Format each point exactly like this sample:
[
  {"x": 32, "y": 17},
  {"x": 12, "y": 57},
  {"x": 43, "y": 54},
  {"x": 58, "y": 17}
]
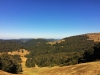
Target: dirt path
[
  {"x": 28, "y": 71},
  {"x": 23, "y": 61}
]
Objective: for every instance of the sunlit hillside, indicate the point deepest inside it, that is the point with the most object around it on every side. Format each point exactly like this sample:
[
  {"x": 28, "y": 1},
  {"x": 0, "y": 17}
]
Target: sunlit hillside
[
  {"x": 92, "y": 68},
  {"x": 91, "y": 36},
  {"x": 70, "y": 64},
  {"x": 94, "y": 36}
]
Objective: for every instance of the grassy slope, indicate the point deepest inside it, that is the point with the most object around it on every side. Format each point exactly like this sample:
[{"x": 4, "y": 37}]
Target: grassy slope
[
  {"x": 94, "y": 36},
  {"x": 92, "y": 68}
]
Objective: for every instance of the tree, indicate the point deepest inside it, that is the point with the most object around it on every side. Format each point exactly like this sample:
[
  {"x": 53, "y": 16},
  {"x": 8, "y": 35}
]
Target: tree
[
  {"x": 97, "y": 51},
  {"x": 88, "y": 55},
  {"x": 30, "y": 63},
  {"x": 8, "y": 64},
  {"x": 91, "y": 54}
]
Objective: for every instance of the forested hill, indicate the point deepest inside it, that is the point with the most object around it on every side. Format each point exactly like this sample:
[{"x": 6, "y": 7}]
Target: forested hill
[
  {"x": 8, "y": 45},
  {"x": 16, "y": 44},
  {"x": 73, "y": 43},
  {"x": 61, "y": 53}
]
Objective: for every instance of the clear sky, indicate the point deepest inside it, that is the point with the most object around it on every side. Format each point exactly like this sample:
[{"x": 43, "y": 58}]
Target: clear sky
[{"x": 48, "y": 18}]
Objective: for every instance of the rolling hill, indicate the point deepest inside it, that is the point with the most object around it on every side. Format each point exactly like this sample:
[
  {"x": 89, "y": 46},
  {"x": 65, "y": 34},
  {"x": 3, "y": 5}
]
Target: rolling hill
[
  {"x": 91, "y": 36},
  {"x": 46, "y": 57},
  {"x": 92, "y": 68}
]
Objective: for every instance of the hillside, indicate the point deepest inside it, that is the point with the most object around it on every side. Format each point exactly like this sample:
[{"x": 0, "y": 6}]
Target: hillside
[
  {"x": 8, "y": 45},
  {"x": 92, "y": 68},
  {"x": 91, "y": 36},
  {"x": 42, "y": 56},
  {"x": 94, "y": 36},
  {"x": 64, "y": 52}
]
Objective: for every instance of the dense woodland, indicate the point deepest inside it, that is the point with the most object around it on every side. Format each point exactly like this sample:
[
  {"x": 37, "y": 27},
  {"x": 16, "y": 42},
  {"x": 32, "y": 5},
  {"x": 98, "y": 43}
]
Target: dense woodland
[
  {"x": 74, "y": 50},
  {"x": 65, "y": 53},
  {"x": 9, "y": 45}
]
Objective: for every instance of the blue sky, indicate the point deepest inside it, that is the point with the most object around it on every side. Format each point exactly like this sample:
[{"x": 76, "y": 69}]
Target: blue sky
[{"x": 48, "y": 18}]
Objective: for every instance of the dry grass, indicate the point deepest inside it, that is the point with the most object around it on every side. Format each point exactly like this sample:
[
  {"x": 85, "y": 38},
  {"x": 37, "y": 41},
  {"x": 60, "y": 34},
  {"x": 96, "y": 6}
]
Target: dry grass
[
  {"x": 22, "y": 54},
  {"x": 6, "y": 73},
  {"x": 94, "y": 36},
  {"x": 92, "y": 68},
  {"x": 54, "y": 42}
]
